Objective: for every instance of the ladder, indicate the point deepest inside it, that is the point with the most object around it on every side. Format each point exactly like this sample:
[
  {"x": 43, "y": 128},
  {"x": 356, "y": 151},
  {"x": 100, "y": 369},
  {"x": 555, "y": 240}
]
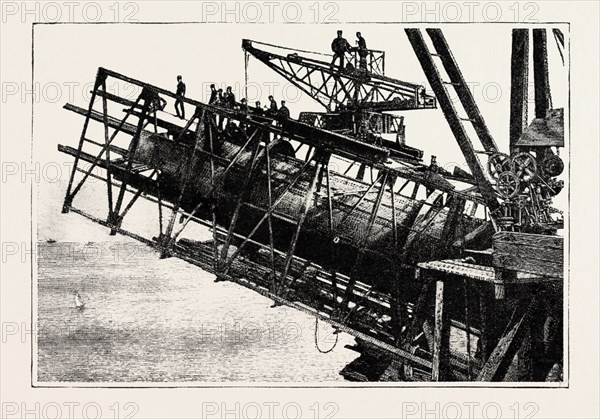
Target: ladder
[{"x": 457, "y": 123}]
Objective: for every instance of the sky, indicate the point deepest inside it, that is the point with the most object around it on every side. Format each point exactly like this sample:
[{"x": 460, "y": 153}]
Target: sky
[{"x": 66, "y": 58}]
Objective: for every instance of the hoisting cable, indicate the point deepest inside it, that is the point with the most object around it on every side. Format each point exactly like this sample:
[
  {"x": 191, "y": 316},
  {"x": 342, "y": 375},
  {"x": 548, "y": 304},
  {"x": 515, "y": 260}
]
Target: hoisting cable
[
  {"x": 246, "y": 59},
  {"x": 317, "y": 338}
]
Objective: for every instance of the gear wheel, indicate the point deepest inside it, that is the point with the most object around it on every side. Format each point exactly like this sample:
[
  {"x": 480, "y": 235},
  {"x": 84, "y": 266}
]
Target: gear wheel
[
  {"x": 498, "y": 163},
  {"x": 552, "y": 166},
  {"x": 508, "y": 185},
  {"x": 524, "y": 166}
]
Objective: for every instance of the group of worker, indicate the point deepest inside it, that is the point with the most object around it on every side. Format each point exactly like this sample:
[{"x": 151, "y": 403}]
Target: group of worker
[
  {"x": 340, "y": 46},
  {"x": 218, "y": 98},
  {"x": 272, "y": 109},
  {"x": 227, "y": 100}
]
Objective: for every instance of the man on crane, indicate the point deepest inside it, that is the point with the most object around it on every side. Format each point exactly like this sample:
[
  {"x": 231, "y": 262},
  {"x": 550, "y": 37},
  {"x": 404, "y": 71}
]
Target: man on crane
[
  {"x": 272, "y": 106},
  {"x": 214, "y": 95},
  {"x": 362, "y": 51},
  {"x": 339, "y": 46},
  {"x": 283, "y": 112},
  {"x": 180, "y": 94},
  {"x": 244, "y": 105},
  {"x": 258, "y": 108},
  {"x": 229, "y": 98}
]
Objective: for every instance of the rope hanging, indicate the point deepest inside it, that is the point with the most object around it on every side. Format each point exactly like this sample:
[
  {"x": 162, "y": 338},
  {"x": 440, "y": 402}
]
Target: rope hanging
[
  {"x": 317, "y": 338},
  {"x": 246, "y": 59}
]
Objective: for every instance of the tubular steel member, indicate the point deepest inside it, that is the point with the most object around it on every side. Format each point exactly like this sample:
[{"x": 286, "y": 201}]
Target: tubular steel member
[
  {"x": 455, "y": 122},
  {"x": 518, "y": 86},
  {"x": 276, "y": 228},
  {"x": 543, "y": 97},
  {"x": 167, "y": 238},
  {"x": 462, "y": 89}
]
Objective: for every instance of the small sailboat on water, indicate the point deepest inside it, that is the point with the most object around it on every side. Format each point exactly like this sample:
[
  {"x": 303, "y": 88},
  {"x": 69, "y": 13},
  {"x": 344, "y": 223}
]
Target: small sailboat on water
[{"x": 79, "y": 304}]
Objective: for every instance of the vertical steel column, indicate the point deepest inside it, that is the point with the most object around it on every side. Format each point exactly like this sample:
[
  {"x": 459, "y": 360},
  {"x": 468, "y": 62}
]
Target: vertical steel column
[
  {"x": 543, "y": 99},
  {"x": 441, "y": 336},
  {"x": 519, "y": 76},
  {"x": 467, "y": 300}
]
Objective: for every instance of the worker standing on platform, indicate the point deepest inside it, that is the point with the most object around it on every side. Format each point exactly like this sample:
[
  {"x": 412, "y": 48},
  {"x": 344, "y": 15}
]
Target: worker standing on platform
[
  {"x": 214, "y": 98},
  {"x": 158, "y": 103},
  {"x": 220, "y": 102},
  {"x": 214, "y": 95},
  {"x": 362, "y": 50},
  {"x": 272, "y": 106},
  {"x": 258, "y": 108},
  {"x": 229, "y": 98},
  {"x": 180, "y": 93},
  {"x": 284, "y": 112},
  {"x": 339, "y": 46},
  {"x": 244, "y": 105}
]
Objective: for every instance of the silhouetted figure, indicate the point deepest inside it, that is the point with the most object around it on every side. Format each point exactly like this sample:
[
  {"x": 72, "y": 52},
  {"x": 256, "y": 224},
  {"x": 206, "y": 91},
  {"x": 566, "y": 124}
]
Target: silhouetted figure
[
  {"x": 244, "y": 105},
  {"x": 220, "y": 102},
  {"x": 258, "y": 108},
  {"x": 229, "y": 98},
  {"x": 361, "y": 48},
  {"x": 339, "y": 46},
  {"x": 157, "y": 104},
  {"x": 284, "y": 112},
  {"x": 272, "y": 106},
  {"x": 214, "y": 95},
  {"x": 179, "y": 101}
]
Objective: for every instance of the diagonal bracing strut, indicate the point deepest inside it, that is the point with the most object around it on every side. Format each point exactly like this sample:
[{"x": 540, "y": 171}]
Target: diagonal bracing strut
[{"x": 456, "y": 123}]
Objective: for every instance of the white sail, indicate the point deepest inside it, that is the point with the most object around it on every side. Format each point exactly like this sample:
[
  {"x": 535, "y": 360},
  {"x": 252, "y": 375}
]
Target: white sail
[{"x": 78, "y": 301}]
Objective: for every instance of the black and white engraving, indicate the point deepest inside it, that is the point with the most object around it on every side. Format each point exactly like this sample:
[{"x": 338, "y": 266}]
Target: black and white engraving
[{"x": 407, "y": 266}]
